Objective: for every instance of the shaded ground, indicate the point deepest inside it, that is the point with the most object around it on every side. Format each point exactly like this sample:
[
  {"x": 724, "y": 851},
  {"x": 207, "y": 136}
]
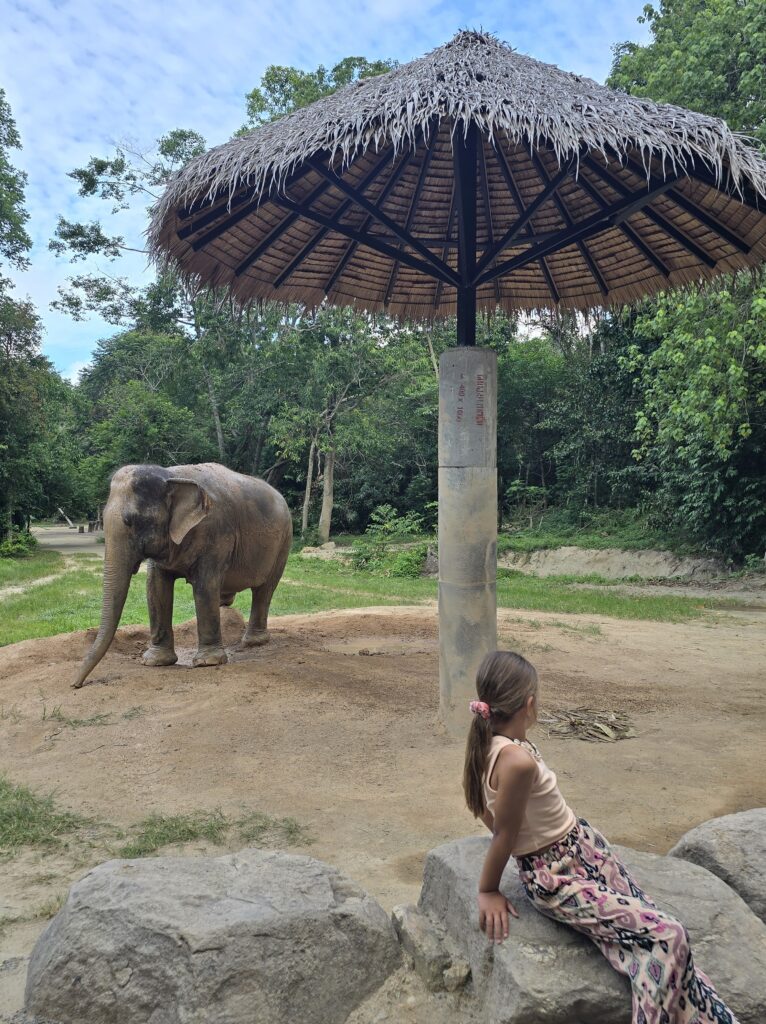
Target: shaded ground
[
  {"x": 334, "y": 723},
  {"x": 61, "y": 538}
]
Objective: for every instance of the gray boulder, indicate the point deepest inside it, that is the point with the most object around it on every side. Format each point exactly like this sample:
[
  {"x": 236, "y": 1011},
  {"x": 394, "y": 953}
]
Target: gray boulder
[
  {"x": 255, "y": 936},
  {"x": 734, "y": 848},
  {"x": 546, "y": 973}
]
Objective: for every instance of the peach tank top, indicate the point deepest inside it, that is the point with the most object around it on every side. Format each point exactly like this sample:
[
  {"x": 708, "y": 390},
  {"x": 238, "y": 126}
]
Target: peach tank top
[{"x": 547, "y": 816}]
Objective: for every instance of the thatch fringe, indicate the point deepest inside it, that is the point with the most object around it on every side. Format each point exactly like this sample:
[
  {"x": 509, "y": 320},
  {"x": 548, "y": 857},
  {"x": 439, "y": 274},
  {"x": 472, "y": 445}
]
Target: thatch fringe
[{"x": 475, "y": 78}]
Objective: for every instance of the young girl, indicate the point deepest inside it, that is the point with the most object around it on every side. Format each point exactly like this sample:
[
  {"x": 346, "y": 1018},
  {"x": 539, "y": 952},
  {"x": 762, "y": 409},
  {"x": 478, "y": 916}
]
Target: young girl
[{"x": 567, "y": 867}]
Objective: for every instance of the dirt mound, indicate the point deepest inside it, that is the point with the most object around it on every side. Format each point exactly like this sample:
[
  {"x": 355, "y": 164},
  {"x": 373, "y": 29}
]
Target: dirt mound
[{"x": 611, "y": 563}]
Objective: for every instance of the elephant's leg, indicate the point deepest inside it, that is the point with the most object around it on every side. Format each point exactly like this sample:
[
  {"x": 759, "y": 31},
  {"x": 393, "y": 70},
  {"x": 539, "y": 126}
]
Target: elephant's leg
[
  {"x": 207, "y": 601},
  {"x": 159, "y": 596},
  {"x": 257, "y": 633},
  {"x": 227, "y": 600}
]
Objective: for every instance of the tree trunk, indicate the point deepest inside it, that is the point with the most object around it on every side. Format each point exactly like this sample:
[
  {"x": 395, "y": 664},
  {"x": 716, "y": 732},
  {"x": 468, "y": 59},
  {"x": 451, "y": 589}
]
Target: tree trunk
[
  {"x": 216, "y": 416},
  {"x": 307, "y": 493},
  {"x": 327, "y": 496},
  {"x": 259, "y": 444},
  {"x": 8, "y": 516}
]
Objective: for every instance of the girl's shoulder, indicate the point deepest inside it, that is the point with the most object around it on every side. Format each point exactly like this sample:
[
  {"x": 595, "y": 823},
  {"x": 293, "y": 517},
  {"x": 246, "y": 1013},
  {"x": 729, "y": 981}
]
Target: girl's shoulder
[
  {"x": 512, "y": 754},
  {"x": 502, "y": 743}
]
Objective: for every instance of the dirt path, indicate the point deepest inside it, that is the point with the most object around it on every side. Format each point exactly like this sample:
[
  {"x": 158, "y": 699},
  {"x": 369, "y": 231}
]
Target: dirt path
[{"x": 334, "y": 723}]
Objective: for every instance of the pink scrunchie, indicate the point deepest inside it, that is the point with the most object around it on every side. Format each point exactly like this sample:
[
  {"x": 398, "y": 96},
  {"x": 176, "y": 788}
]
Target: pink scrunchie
[{"x": 478, "y": 707}]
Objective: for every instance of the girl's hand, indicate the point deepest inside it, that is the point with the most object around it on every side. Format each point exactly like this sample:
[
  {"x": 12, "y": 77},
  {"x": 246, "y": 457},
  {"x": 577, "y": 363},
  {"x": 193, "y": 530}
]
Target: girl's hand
[{"x": 493, "y": 915}]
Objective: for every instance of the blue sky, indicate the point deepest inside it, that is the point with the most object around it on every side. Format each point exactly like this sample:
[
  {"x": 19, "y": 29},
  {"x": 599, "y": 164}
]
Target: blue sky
[{"x": 82, "y": 75}]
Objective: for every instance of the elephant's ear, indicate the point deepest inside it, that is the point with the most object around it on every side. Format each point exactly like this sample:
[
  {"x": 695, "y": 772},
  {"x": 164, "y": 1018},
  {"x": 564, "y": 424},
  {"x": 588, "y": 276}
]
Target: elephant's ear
[{"x": 189, "y": 504}]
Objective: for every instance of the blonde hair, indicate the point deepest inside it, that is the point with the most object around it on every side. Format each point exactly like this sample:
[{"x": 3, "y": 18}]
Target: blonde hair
[{"x": 505, "y": 680}]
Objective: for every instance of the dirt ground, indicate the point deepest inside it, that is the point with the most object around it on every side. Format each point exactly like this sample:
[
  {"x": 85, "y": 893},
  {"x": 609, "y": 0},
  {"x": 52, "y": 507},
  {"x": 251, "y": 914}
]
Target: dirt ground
[{"x": 335, "y": 724}]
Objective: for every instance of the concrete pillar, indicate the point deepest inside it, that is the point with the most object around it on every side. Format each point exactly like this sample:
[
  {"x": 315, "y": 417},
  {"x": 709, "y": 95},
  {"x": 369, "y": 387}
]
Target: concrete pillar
[{"x": 467, "y": 525}]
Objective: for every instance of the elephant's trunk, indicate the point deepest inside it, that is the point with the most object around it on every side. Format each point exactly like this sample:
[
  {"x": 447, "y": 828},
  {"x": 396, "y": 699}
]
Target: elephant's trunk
[{"x": 119, "y": 562}]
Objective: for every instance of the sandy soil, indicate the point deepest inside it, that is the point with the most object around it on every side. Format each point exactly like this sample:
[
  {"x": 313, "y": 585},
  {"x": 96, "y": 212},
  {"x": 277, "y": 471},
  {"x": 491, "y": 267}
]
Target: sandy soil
[{"x": 334, "y": 723}]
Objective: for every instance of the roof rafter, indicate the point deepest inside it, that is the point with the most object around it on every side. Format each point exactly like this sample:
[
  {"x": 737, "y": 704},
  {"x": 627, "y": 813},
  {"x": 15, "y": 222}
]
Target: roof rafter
[
  {"x": 385, "y": 193},
  {"x": 411, "y": 214},
  {"x": 375, "y": 244},
  {"x": 529, "y": 231},
  {"x": 609, "y": 217},
  {"x": 382, "y": 218},
  {"x": 518, "y": 226},
  {"x": 661, "y": 222},
  {"x": 561, "y": 206},
  {"x": 313, "y": 242}
]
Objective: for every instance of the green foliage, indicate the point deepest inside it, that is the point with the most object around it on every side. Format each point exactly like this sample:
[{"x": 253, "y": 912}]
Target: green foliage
[
  {"x": 385, "y": 527},
  {"x": 702, "y": 427},
  {"x": 160, "y": 830},
  {"x": 408, "y": 563},
  {"x": 631, "y": 529},
  {"x": 14, "y": 240},
  {"x": 285, "y": 89},
  {"x": 19, "y": 545},
  {"x": 704, "y": 54}
]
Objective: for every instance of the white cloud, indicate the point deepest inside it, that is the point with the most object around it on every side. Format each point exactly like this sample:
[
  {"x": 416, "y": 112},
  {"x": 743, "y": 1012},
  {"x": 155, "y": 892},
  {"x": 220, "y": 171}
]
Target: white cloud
[{"x": 81, "y": 75}]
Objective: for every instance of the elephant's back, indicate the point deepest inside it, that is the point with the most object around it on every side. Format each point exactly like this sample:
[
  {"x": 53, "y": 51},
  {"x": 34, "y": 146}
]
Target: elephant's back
[{"x": 227, "y": 486}]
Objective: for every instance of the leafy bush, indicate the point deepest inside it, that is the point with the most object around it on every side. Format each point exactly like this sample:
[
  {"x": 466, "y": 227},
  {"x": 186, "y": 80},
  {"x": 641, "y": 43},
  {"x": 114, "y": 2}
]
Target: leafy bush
[
  {"x": 19, "y": 545},
  {"x": 408, "y": 563},
  {"x": 385, "y": 527}
]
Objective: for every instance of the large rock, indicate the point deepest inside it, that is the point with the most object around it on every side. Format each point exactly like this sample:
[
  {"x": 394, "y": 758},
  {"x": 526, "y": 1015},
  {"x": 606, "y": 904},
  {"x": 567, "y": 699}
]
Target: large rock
[
  {"x": 255, "y": 936},
  {"x": 546, "y": 973},
  {"x": 734, "y": 848}
]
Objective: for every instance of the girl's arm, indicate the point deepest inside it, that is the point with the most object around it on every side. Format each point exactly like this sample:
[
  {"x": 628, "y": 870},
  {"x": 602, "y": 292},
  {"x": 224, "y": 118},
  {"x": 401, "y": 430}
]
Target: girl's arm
[{"x": 516, "y": 773}]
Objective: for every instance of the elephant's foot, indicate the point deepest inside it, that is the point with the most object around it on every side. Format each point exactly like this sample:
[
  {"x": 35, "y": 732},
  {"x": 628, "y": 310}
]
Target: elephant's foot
[
  {"x": 209, "y": 656},
  {"x": 257, "y": 638},
  {"x": 157, "y": 656}
]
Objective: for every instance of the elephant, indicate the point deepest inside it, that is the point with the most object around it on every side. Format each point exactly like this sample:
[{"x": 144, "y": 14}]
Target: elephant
[{"x": 220, "y": 530}]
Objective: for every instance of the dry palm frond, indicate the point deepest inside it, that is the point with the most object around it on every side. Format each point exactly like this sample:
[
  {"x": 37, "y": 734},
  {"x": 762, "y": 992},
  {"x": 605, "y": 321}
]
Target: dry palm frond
[
  {"x": 476, "y": 78},
  {"x": 533, "y": 119},
  {"x": 588, "y": 724}
]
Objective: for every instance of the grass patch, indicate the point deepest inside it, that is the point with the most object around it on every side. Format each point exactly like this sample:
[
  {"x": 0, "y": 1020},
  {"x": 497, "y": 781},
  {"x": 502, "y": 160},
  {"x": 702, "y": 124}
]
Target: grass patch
[
  {"x": 17, "y": 571},
  {"x": 253, "y": 829},
  {"x": 57, "y": 715},
  {"x": 550, "y": 594},
  {"x": 73, "y": 601},
  {"x": 137, "y": 712},
  {"x": 30, "y": 820},
  {"x": 260, "y": 829},
  {"x": 627, "y": 529},
  {"x": 160, "y": 830}
]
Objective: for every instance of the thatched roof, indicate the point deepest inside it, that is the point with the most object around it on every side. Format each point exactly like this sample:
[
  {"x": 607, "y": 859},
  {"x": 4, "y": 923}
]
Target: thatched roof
[{"x": 258, "y": 213}]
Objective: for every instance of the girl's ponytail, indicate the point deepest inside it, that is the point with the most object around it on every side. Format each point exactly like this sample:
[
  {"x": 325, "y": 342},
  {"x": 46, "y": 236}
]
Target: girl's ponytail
[
  {"x": 476, "y": 753},
  {"x": 504, "y": 682}
]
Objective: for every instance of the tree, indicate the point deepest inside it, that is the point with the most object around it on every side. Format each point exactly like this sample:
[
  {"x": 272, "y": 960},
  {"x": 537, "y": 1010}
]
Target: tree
[
  {"x": 285, "y": 89},
  {"x": 14, "y": 240},
  {"x": 704, "y": 54},
  {"x": 703, "y": 422},
  {"x": 33, "y": 398}
]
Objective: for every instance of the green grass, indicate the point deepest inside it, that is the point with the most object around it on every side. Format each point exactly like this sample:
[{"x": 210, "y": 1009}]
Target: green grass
[
  {"x": 549, "y": 594},
  {"x": 253, "y": 829},
  {"x": 30, "y": 820},
  {"x": 57, "y": 715},
  {"x": 628, "y": 530},
  {"x": 73, "y": 601},
  {"x": 160, "y": 830},
  {"x": 27, "y": 819},
  {"x": 39, "y": 563}
]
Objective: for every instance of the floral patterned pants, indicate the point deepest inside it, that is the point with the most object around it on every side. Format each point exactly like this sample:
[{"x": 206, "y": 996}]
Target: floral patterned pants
[{"x": 581, "y": 882}]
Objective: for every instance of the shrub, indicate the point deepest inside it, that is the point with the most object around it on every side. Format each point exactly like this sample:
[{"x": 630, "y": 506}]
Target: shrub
[
  {"x": 409, "y": 563},
  {"x": 385, "y": 527},
  {"x": 19, "y": 545}
]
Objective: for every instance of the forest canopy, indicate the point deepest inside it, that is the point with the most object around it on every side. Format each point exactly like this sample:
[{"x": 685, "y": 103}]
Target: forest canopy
[{"x": 655, "y": 411}]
